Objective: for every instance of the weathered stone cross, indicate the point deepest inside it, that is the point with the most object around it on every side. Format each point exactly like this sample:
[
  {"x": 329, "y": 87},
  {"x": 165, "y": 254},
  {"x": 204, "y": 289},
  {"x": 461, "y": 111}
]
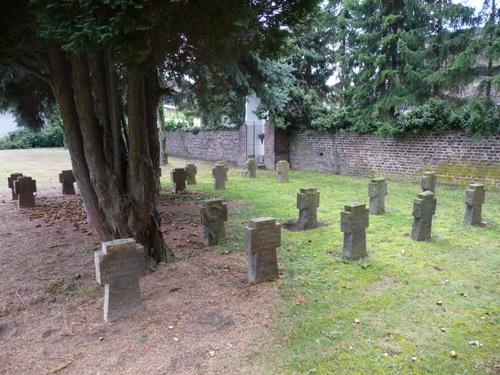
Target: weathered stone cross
[
  {"x": 220, "y": 176},
  {"x": 282, "y": 169},
  {"x": 262, "y": 237},
  {"x": 118, "y": 267},
  {"x": 10, "y": 182},
  {"x": 24, "y": 187},
  {"x": 428, "y": 181},
  {"x": 213, "y": 214},
  {"x": 307, "y": 203},
  {"x": 67, "y": 179},
  {"x": 353, "y": 222},
  {"x": 191, "y": 172},
  {"x": 377, "y": 190},
  {"x": 251, "y": 168},
  {"x": 178, "y": 176},
  {"x": 474, "y": 199},
  {"x": 424, "y": 207}
]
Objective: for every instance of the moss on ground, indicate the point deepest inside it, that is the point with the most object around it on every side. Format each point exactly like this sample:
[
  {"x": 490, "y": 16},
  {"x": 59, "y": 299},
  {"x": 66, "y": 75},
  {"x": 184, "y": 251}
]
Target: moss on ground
[{"x": 377, "y": 316}]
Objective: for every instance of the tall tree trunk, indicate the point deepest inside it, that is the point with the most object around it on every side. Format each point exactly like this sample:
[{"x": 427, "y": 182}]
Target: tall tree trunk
[
  {"x": 119, "y": 189},
  {"x": 163, "y": 135}
]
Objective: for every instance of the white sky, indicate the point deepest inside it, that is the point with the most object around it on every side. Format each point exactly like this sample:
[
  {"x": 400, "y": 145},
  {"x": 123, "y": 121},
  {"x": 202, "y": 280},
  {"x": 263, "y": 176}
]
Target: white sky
[{"x": 478, "y": 4}]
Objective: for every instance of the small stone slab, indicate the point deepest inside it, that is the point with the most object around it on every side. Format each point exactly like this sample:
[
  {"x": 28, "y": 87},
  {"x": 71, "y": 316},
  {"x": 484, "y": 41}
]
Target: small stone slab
[
  {"x": 10, "y": 182},
  {"x": 213, "y": 215},
  {"x": 25, "y": 187},
  {"x": 282, "y": 169},
  {"x": 67, "y": 179},
  {"x": 308, "y": 203},
  {"x": 424, "y": 207},
  {"x": 191, "y": 171},
  {"x": 251, "y": 168},
  {"x": 377, "y": 190},
  {"x": 178, "y": 177},
  {"x": 474, "y": 199},
  {"x": 118, "y": 267},
  {"x": 429, "y": 181},
  {"x": 353, "y": 222},
  {"x": 262, "y": 237},
  {"x": 219, "y": 172}
]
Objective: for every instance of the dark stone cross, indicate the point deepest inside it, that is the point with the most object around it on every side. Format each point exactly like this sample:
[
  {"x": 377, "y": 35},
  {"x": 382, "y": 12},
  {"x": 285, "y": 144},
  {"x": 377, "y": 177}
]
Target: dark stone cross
[
  {"x": 282, "y": 169},
  {"x": 424, "y": 207},
  {"x": 67, "y": 179},
  {"x": 251, "y": 168},
  {"x": 213, "y": 214},
  {"x": 25, "y": 187},
  {"x": 191, "y": 172},
  {"x": 118, "y": 267},
  {"x": 474, "y": 199},
  {"x": 10, "y": 182},
  {"x": 262, "y": 237},
  {"x": 353, "y": 222},
  {"x": 178, "y": 176},
  {"x": 428, "y": 181},
  {"x": 307, "y": 203},
  {"x": 219, "y": 172},
  {"x": 377, "y": 190}
]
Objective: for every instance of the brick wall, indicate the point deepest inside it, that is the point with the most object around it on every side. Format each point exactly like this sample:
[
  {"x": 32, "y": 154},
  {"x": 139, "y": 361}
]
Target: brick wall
[
  {"x": 458, "y": 158},
  {"x": 209, "y": 145}
]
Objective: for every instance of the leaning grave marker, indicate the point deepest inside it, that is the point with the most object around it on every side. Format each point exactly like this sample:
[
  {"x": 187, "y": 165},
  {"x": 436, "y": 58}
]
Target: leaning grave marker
[
  {"x": 353, "y": 222},
  {"x": 67, "y": 179},
  {"x": 307, "y": 203},
  {"x": 25, "y": 187},
  {"x": 474, "y": 199},
  {"x": 377, "y": 190},
  {"x": 10, "y": 183},
  {"x": 178, "y": 176},
  {"x": 424, "y": 207},
  {"x": 213, "y": 215}
]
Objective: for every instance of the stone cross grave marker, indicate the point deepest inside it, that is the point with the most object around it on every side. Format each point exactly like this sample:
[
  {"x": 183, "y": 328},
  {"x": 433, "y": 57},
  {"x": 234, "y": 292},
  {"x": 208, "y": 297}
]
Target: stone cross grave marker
[
  {"x": 178, "y": 176},
  {"x": 307, "y": 203},
  {"x": 213, "y": 214},
  {"x": 10, "y": 182},
  {"x": 118, "y": 266},
  {"x": 219, "y": 172},
  {"x": 282, "y": 169},
  {"x": 424, "y": 207},
  {"x": 67, "y": 179},
  {"x": 474, "y": 199},
  {"x": 24, "y": 187},
  {"x": 251, "y": 168},
  {"x": 262, "y": 237},
  {"x": 377, "y": 190},
  {"x": 428, "y": 181},
  {"x": 191, "y": 171},
  {"x": 353, "y": 222}
]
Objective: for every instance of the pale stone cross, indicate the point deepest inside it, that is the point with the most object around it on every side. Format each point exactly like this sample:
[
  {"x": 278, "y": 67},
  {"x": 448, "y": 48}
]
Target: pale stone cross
[
  {"x": 377, "y": 190},
  {"x": 25, "y": 187},
  {"x": 213, "y": 214},
  {"x": 191, "y": 171},
  {"x": 424, "y": 207},
  {"x": 474, "y": 199},
  {"x": 10, "y": 182},
  {"x": 219, "y": 172},
  {"x": 428, "y": 181},
  {"x": 262, "y": 237},
  {"x": 282, "y": 169},
  {"x": 178, "y": 176},
  {"x": 251, "y": 168},
  {"x": 118, "y": 266},
  {"x": 353, "y": 222},
  {"x": 307, "y": 203},
  {"x": 67, "y": 179}
]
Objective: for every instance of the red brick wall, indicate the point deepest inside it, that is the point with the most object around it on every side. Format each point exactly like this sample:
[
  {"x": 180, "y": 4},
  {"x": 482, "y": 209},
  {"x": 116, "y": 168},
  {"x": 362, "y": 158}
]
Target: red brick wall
[
  {"x": 458, "y": 158},
  {"x": 209, "y": 145}
]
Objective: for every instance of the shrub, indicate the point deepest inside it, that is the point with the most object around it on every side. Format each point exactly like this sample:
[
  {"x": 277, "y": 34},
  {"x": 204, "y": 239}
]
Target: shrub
[{"x": 51, "y": 136}]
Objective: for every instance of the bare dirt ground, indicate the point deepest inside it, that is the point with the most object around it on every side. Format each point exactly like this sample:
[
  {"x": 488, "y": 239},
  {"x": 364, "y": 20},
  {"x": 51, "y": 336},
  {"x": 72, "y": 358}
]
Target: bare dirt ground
[{"x": 201, "y": 317}]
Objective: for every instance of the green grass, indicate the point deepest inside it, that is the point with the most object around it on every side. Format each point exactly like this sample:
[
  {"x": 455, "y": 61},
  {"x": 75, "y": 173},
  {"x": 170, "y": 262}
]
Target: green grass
[{"x": 393, "y": 293}]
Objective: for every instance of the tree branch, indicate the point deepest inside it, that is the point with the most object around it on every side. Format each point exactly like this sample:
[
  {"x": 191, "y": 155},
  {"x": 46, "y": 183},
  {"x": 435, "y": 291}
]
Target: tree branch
[{"x": 35, "y": 73}]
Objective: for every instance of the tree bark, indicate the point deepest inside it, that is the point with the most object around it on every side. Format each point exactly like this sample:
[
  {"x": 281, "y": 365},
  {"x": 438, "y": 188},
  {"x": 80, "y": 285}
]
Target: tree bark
[{"x": 119, "y": 189}]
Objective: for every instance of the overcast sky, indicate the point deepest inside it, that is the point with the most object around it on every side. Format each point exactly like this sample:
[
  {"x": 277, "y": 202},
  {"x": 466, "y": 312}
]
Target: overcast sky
[{"x": 475, "y": 3}]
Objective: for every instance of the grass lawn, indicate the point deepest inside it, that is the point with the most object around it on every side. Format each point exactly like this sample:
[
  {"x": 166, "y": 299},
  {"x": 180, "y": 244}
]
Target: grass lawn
[{"x": 393, "y": 293}]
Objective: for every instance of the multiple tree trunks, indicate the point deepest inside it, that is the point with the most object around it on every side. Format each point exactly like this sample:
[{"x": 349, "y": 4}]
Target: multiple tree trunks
[{"x": 115, "y": 162}]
